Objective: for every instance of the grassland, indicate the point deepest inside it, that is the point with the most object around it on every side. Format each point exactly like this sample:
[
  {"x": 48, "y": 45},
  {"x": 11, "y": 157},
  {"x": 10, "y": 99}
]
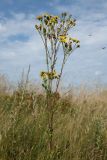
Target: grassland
[{"x": 80, "y": 126}]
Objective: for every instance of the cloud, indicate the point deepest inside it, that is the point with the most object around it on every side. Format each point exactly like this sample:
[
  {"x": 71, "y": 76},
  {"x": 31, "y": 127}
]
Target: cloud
[
  {"x": 97, "y": 73},
  {"x": 17, "y": 53},
  {"x": 19, "y": 23},
  {"x": 21, "y": 45},
  {"x": 89, "y": 61}
]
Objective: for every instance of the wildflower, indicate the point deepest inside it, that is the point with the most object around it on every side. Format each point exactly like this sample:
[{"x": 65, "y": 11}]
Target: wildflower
[
  {"x": 72, "y": 23},
  {"x": 43, "y": 75},
  {"x": 53, "y": 20},
  {"x": 75, "y": 40},
  {"x": 63, "y": 38},
  {"x": 49, "y": 75},
  {"x": 47, "y": 16},
  {"x": 55, "y": 75},
  {"x": 38, "y": 27},
  {"x": 49, "y": 23},
  {"x": 56, "y": 17},
  {"x": 39, "y": 18}
]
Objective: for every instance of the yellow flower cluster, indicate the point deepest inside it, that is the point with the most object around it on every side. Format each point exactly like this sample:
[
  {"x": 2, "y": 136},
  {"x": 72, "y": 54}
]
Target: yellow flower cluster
[
  {"x": 63, "y": 38},
  {"x": 75, "y": 40},
  {"x": 54, "y": 19},
  {"x": 48, "y": 19},
  {"x": 49, "y": 75},
  {"x": 66, "y": 39}
]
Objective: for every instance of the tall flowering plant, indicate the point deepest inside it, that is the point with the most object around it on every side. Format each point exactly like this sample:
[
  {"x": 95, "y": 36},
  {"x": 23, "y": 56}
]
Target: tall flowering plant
[{"x": 54, "y": 32}]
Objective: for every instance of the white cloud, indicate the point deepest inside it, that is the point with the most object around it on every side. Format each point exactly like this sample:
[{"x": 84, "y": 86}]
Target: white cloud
[
  {"x": 98, "y": 73},
  {"x": 17, "y": 54},
  {"x": 7, "y": 56},
  {"x": 18, "y": 23}
]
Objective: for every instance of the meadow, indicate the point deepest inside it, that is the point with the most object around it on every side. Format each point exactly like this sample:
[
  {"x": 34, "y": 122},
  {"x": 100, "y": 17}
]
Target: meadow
[{"x": 80, "y": 124}]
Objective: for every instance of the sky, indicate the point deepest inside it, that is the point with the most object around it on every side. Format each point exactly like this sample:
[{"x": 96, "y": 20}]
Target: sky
[{"x": 21, "y": 46}]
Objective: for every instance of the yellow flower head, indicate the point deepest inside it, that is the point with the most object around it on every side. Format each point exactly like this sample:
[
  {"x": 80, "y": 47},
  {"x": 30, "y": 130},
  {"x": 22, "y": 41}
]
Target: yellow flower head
[
  {"x": 49, "y": 75},
  {"x": 75, "y": 40},
  {"x": 43, "y": 75},
  {"x": 53, "y": 75},
  {"x": 56, "y": 17},
  {"x": 53, "y": 19},
  {"x": 63, "y": 39},
  {"x": 39, "y": 17},
  {"x": 56, "y": 76}
]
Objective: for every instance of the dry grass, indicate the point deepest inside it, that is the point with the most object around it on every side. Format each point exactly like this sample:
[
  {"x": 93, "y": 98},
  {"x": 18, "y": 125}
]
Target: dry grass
[{"x": 80, "y": 126}]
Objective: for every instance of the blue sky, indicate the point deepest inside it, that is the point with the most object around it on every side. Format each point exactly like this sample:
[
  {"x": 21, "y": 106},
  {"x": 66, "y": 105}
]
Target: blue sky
[{"x": 20, "y": 45}]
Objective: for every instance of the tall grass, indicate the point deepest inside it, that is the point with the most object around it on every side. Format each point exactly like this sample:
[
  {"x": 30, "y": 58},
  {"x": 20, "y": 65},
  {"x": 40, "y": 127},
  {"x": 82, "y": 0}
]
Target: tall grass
[{"x": 80, "y": 126}]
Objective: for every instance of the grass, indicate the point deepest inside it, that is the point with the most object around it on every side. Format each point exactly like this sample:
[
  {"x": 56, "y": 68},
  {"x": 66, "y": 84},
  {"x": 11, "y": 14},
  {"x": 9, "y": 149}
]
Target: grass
[{"x": 80, "y": 126}]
